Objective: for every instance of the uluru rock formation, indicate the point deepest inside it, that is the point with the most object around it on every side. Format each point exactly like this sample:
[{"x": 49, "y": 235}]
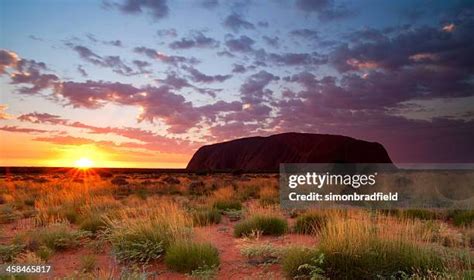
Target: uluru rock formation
[{"x": 266, "y": 153}]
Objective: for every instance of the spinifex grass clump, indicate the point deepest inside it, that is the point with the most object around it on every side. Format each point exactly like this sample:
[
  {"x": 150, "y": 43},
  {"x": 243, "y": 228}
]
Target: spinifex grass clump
[
  {"x": 187, "y": 256},
  {"x": 143, "y": 235},
  {"x": 462, "y": 217},
  {"x": 93, "y": 222},
  {"x": 265, "y": 224},
  {"x": 364, "y": 249},
  {"x": 227, "y": 204},
  {"x": 226, "y": 199},
  {"x": 295, "y": 258},
  {"x": 9, "y": 252},
  {"x": 206, "y": 216},
  {"x": 310, "y": 222},
  {"x": 56, "y": 237},
  {"x": 261, "y": 253}
]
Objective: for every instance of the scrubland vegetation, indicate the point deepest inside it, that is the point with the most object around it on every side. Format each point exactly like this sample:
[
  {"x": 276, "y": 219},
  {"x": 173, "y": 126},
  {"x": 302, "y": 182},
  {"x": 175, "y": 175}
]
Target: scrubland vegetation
[{"x": 139, "y": 226}]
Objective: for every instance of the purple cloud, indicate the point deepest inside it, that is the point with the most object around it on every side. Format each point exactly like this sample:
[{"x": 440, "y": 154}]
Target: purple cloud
[
  {"x": 197, "y": 40},
  {"x": 241, "y": 44},
  {"x": 235, "y": 22},
  {"x": 157, "y": 8},
  {"x": 200, "y": 77}
]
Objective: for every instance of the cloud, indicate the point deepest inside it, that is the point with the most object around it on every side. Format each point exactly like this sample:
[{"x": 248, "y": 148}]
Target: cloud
[
  {"x": 4, "y": 115},
  {"x": 148, "y": 140},
  {"x": 168, "y": 59},
  {"x": 42, "y": 118},
  {"x": 35, "y": 38},
  {"x": 115, "y": 43},
  {"x": 197, "y": 40},
  {"x": 142, "y": 66},
  {"x": 174, "y": 81},
  {"x": 263, "y": 24},
  {"x": 170, "y": 32},
  {"x": 292, "y": 59},
  {"x": 82, "y": 71},
  {"x": 235, "y": 22},
  {"x": 8, "y": 59},
  {"x": 326, "y": 10},
  {"x": 113, "y": 62},
  {"x": 200, "y": 77},
  {"x": 238, "y": 68},
  {"x": 305, "y": 33},
  {"x": 65, "y": 140},
  {"x": 253, "y": 90},
  {"x": 158, "y": 9},
  {"x": 21, "y": 129},
  {"x": 390, "y": 53},
  {"x": 155, "y": 102},
  {"x": 241, "y": 44},
  {"x": 31, "y": 72},
  {"x": 209, "y": 4},
  {"x": 24, "y": 71},
  {"x": 273, "y": 42}
]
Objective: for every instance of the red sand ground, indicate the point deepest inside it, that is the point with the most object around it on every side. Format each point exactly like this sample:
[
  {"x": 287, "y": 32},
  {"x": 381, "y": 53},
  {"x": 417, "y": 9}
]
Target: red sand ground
[{"x": 233, "y": 264}]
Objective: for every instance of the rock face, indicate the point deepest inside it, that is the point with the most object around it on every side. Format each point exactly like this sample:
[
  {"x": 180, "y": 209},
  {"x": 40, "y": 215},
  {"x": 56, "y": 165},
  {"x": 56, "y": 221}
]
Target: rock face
[{"x": 266, "y": 153}]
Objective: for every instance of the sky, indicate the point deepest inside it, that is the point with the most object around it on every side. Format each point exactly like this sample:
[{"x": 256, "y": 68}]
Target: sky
[{"x": 143, "y": 83}]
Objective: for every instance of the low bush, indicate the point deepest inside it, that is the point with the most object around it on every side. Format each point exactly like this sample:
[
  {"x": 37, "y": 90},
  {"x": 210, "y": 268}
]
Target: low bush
[
  {"x": 144, "y": 239},
  {"x": 44, "y": 253},
  {"x": 265, "y": 224},
  {"x": 88, "y": 263},
  {"x": 205, "y": 217},
  {"x": 310, "y": 223},
  {"x": 227, "y": 204},
  {"x": 186, "y": 256},
  {"x": 462, "y": 217},
  {"x": 261, "y": 253},
  {"x": 8, "y": 214},
  {"x": 422, "y": 214},
  {"x": 364, "y": 250},
  {"x": 9, "y": 252},
  {"x": 92, "y": 223},
  {"x": 57, "y": 237},
  {"x": 294, "y": 258}
]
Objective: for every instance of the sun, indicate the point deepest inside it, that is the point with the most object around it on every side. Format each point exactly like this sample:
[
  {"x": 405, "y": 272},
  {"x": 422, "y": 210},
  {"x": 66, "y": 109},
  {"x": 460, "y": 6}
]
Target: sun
[{"x": 84, "y": 163}]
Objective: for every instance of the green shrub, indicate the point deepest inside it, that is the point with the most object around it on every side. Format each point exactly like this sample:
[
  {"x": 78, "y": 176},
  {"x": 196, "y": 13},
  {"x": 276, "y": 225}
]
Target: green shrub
[
  {"x": 204, "y": 273},
  {"x": 204, "y": 217},
  {"x": 8, "y": 214},
  {"x": 57, "y": 237},
  {"x": 269, "y": 200},
  {"x": 44, "y": 253},
  {"x": 70, "y": 213},
  {"x": 142, "y": 241},
  {"x": 422, "y": 214},
  {"x": 462, "y": 217},
  {"x": 186, "y": 256},
  {"x": 294, "y": 258},
  {"x": 88, "y": 263},
  {"x": 9, "y": 252},
  {"x": 356, "y": 249},
  {"x": 92, "y": 223},
  {"x": 245, "y": 192},
  {"x": 227, "y": 204},
  {"x": 310, "y": 223},
  {"x": 261, "y": 253},
  {"x": 265, "y": 224}
]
